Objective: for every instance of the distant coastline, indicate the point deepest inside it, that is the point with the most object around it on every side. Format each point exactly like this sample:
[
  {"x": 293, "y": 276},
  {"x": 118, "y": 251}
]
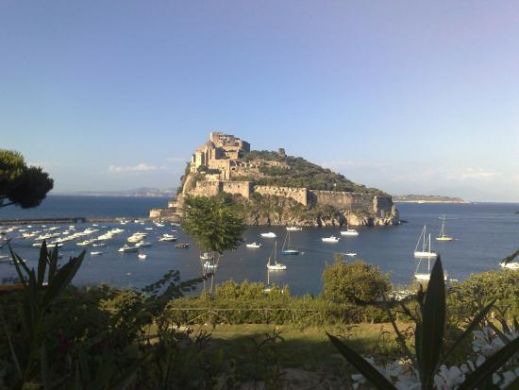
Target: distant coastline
[
  {"x": 413, "y": 198},
  {"x": 143, "y": 192}
]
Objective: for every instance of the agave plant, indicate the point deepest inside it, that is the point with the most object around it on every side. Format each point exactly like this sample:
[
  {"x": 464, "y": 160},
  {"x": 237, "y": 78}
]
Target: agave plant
[
  {"x": 39, "y": 288},
  {"x": 428, "y": 359}
]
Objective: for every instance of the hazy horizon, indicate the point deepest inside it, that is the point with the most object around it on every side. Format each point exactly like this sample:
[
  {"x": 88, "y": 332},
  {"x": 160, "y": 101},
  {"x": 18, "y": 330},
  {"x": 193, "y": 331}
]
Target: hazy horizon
[{"x": 403, "y": 96}]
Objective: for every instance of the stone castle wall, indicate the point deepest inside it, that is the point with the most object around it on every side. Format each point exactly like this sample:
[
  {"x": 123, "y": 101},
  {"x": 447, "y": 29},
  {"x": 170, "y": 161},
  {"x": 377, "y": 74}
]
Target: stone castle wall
[
  {"x": 243, "y": 188},
  {"x": 348, "y": 201},
  {"x": 206, "y": 188},
  {"x": 298, "y": 194}
]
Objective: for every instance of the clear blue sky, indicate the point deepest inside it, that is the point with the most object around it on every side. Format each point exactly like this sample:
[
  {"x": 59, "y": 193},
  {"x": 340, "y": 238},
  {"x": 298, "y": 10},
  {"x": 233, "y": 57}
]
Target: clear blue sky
[{"x": 407, "y": 96}]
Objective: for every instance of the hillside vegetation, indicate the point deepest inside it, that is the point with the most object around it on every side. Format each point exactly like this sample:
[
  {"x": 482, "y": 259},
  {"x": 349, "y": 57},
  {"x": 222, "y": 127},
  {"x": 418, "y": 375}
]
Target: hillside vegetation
[{"x": 298, "y": 172}]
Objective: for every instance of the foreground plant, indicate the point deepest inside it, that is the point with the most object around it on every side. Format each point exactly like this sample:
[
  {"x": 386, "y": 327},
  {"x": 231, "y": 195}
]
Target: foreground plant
[
  {"x": 38, "y": 295},
  {"x": 426, "y": 368}
]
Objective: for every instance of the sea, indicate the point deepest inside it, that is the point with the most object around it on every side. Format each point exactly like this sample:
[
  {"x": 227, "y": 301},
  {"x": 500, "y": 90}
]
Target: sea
[{"x": 484, "y": 233}]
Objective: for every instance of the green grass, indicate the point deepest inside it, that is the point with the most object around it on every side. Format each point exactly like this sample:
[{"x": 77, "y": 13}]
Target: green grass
[{"x": 305, "y": 349}]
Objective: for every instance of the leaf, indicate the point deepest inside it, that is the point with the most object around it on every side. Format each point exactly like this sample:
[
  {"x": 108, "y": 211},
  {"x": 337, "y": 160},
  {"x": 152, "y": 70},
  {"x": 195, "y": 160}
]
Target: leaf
[
  {"x": 42, "y": 262},
  {"x": 62, "y": 278},
  {"x": 432, "y": 328},
  {"x": 363, "y": 366},
  {"x": 492, "y": 364},
  {"x": 475, "y": 321}
]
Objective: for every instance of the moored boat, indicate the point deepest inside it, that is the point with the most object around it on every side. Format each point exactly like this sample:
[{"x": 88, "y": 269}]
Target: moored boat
[{"x": 331, "y": 239}]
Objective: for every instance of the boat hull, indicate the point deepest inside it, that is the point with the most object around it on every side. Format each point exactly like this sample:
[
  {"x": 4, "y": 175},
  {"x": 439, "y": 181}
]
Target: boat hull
[
  {"x": 426, "y": 255},
  {"x": 290, "y": 252}
]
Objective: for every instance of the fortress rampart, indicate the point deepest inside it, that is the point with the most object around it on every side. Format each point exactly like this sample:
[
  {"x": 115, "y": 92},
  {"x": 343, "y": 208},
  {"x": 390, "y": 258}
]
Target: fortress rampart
[{"x": 298, "y": 194}]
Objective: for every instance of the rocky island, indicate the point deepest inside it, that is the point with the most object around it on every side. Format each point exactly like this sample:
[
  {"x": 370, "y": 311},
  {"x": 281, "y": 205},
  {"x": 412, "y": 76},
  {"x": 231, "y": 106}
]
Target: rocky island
[{"x": 271, "y": 188}]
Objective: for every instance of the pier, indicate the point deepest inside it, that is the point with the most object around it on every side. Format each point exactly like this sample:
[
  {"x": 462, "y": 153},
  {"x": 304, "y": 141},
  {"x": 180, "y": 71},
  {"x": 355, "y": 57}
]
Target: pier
[{"x": 64, "y": 220}]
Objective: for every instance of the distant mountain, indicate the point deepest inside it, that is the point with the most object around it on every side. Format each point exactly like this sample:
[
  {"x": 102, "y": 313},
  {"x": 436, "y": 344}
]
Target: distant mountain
[
  {"x": 413, "y": 198},
  {"x": 141, "y": 192}
]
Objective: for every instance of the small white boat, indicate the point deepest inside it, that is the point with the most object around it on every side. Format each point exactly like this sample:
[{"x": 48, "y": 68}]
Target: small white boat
[
  {"x": 510, "y": 265},
  {"x": 143, "y": 244},
  {"x": 4, "y": 258},
  {"x": 168, "y": 238},
  {"x": 206, "y": 256},
  {"x": 210, "y": 265},
  {"x": 142, "y": 256},
  {"x": 128, "y": 249},
  {"x": 268, "y": 235},
  {"x": 275, "y": 266},
  {"x": 331, "y": 239},
  {"x": 253, "y": 245},
  {"x": 294, "y": 228},
  {"x": 96, "y": 253},
  {"x": 350, "y": 254},
  {"x": 425, "y": 251},
  {"x": 349, "y": 233}
]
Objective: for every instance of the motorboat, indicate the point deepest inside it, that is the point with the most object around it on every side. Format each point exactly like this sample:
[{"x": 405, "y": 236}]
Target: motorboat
[
  {"x": 294, "y": 228},
  {"x": 349, "y": 233},
  {"x": 182, "y": 245},
  {"x": 142, "y": 256},
  {"x": 143, "y": 244},
  {"x": 350, "y": 254},
  {"x": 510, "y": 265},
  {"x": 331, "y": 239},
  {"x": 96, "y": 253},
  {"x": 128, "y": 249},
  {"x": 268, "y": 235},
  {"x": 168, "y": 238},
  {"x": 206, "y": 256},
  {"x": 253, "y": 245}
]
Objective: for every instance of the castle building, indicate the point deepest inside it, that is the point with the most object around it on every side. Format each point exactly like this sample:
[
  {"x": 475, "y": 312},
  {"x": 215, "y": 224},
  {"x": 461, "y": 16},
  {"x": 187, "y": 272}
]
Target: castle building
[{"x": 219, "y": 153}]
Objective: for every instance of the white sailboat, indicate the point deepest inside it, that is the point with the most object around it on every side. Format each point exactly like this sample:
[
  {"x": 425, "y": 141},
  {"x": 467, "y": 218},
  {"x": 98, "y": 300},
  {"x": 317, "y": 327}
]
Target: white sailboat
[
  {"x": 426, "y": 246},
  {"x": 426, "y": 276},
  {"x": 286, "y": 250},
  {"x": 443, "y": 236},
  {"x": 275, "y": 266}
]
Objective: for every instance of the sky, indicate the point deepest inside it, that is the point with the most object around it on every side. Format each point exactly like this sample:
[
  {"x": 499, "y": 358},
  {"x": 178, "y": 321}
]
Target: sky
[{"x": 407, "y": 96}]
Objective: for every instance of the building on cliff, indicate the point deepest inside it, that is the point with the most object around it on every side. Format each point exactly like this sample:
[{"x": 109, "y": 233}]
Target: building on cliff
[{"x": 218, "y": 165}]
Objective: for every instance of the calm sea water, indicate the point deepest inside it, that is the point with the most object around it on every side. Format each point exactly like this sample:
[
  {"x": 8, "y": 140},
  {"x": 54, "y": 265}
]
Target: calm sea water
[{"x": 484, "y": 234}]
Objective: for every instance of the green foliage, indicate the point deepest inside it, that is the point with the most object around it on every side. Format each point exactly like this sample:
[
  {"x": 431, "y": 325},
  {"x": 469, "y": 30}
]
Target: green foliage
[
  {"x": 213, "y": 224},
  {"x": 429, "y": 339},
  {"x": 19, "y": 184},
  {"x": 299, "y": 172},
  {"x": 348, "y": 282},
  {"x": 501, "y": 286}
]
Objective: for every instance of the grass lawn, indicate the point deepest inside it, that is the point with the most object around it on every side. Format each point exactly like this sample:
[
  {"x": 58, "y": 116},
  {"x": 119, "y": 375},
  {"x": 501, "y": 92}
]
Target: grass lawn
[{"x": 255, "y": 349}]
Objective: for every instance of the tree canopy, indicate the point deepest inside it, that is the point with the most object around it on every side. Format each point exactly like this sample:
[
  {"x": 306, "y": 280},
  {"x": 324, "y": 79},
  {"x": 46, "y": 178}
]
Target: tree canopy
[
  {"x": 346, "y": 282},
  {"x": 213, "y": 223},
  {"x": 22, "y": 185}
]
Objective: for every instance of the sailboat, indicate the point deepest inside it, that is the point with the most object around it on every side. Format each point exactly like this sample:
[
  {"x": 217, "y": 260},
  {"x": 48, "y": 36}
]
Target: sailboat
[
  {"x": 425, "y": 276},
  {"x": 443, "y": 236},
  {"x": 426, "y": 246},
  {"x": 275, "y": 266},
  {"x": 285, "y": 250}
]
